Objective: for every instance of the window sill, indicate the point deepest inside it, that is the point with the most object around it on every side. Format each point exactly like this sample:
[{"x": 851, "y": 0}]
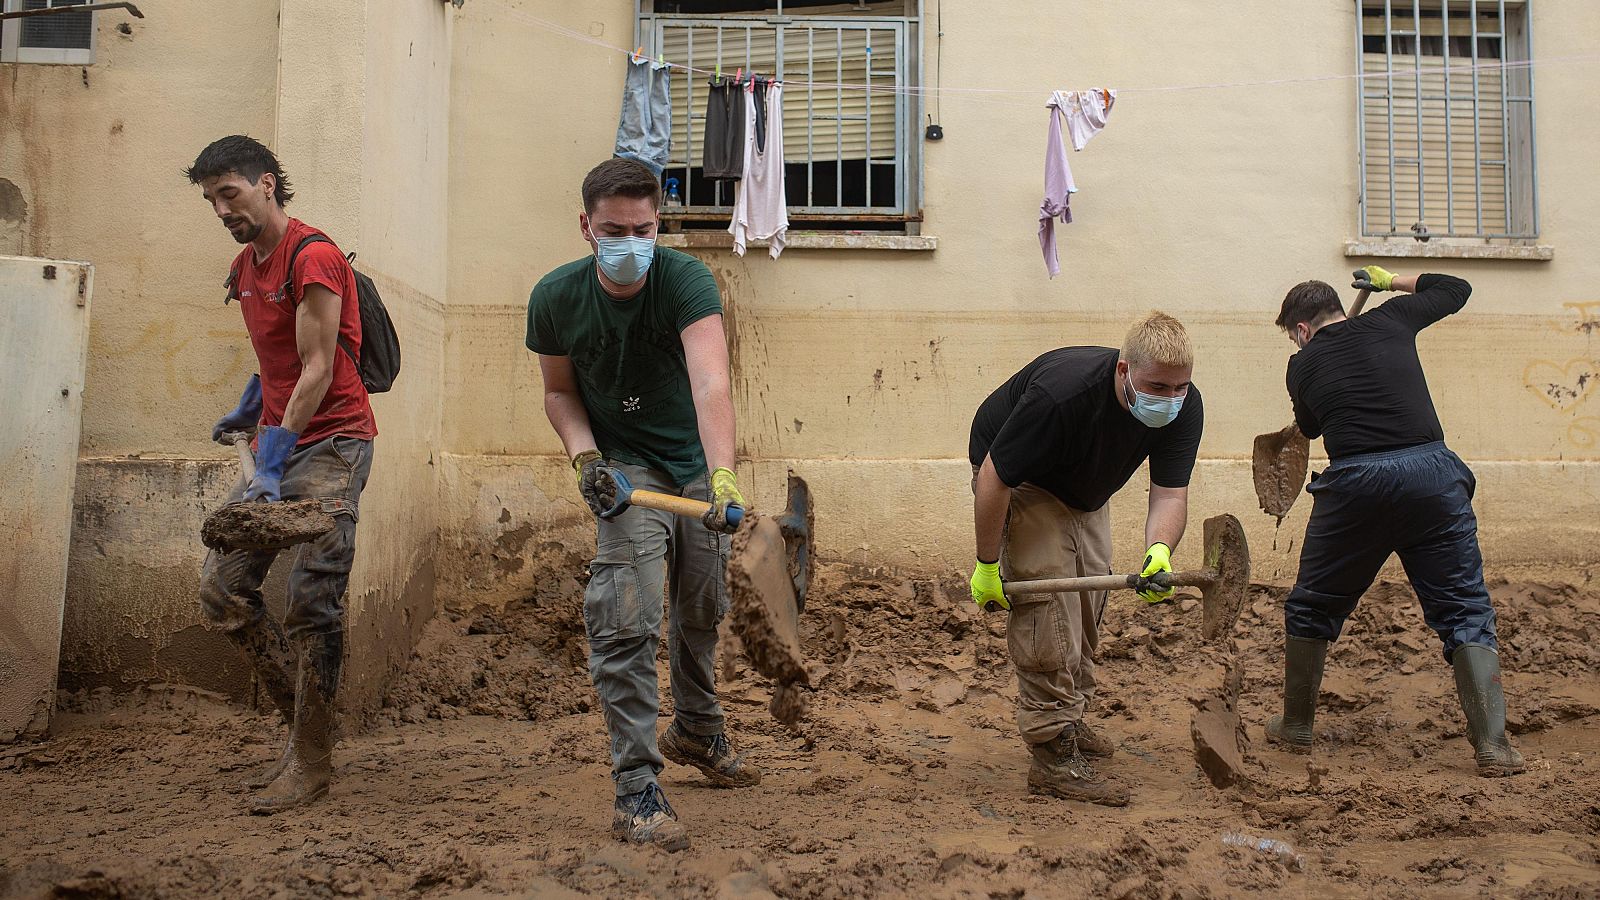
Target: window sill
[
  {"x": 804, "y": 240},
  {"x": 1443, "y": 248}
]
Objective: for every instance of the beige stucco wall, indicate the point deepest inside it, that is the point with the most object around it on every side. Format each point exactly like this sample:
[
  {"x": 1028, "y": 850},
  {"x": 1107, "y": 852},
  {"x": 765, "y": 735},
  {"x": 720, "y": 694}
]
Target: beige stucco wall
[
  {"x": 861, "y": 370},
  {"x": 446, "y": 148},
  {"x": 354, "y": 97}
]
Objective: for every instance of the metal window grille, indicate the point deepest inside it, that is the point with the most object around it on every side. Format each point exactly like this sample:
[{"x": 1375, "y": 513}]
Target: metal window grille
[
  {"x": 1446, "y": 119},
  {"x": 850, "y": 141},
  {"x": 65, "y": 37}
]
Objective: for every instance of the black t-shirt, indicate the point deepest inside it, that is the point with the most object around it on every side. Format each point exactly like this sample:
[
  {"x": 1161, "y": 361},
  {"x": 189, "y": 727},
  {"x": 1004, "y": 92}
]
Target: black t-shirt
[
  {"x": 1057, "y": 424},
  {"x": 1358, "y": 383}
]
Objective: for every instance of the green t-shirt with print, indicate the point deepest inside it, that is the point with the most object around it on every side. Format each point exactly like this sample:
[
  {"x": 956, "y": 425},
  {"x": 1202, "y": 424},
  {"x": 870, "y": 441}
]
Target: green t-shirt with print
[{"x": 628, "y": 355}]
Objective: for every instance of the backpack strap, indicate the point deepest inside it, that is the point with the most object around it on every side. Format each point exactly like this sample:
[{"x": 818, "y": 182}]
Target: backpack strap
[{"x": 288, "y": 286}]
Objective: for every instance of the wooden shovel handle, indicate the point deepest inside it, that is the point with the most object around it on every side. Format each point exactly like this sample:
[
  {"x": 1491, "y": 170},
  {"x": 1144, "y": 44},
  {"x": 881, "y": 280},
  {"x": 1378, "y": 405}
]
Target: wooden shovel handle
[
  {"x": 1103, "y": 583},
  {"x": 247, "y": 460},
  {"x": 1361, "y": 300},
  {"x": 672, "y": 503}
]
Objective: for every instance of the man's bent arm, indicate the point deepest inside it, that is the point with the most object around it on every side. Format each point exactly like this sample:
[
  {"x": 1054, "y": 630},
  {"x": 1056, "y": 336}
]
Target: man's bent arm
[
  {"x": 991, "y": 498},
  {"x": 705, "y": 351},
  {"x": 563, "y": 405},
  {"x": 316, "y": 338},
  {"x": 1169, "y": 514}
]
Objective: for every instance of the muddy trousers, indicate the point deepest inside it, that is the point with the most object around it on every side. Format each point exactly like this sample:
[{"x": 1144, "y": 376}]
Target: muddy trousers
[
  {"x": 1052, "y": 637},
  {"x": 1416, "y": 502},
  {"x": 334, "y": 470},
  {"x": 645, "y": 560}
]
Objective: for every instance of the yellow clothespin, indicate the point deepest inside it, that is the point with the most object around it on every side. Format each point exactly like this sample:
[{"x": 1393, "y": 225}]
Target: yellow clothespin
[{"x": 637, "y": 53}]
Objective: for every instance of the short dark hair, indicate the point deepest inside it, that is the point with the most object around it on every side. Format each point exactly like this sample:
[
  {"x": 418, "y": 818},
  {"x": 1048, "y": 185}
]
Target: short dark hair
[
  {"x": 620, "y": 178},
  {"x": 1308, "y": 301},
  {"x": 242, "y": 154}
]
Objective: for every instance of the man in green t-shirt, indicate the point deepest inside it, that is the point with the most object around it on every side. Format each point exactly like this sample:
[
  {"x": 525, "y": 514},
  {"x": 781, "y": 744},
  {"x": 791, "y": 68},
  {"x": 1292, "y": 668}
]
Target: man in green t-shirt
[{"x": 635, "y": 366}]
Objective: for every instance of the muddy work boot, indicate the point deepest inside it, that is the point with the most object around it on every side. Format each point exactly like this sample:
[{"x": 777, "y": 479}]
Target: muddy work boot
[
  {"x": 712, "y": 755},
  {"x": 1093, "y": 744},
  {"x": 1484, "y": 702},
  {"x": 1060, "y": 770},
  {"x": 1303, "y": 659},
  {"x": 309, "y": 770},
  {"x": 647, "y": 818},
  {"x": 263, "y": 645}
]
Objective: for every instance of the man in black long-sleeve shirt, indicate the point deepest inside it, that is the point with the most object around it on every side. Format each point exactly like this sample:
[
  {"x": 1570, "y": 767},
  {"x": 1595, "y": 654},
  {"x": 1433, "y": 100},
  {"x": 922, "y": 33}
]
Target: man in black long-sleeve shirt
[{"x": 1392, "y": 487}]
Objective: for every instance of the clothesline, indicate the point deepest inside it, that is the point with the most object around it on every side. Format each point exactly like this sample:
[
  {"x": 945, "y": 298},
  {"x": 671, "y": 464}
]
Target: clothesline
[{"x": 982, "y": 94}]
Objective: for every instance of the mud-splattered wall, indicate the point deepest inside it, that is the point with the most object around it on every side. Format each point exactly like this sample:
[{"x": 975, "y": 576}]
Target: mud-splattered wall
[
  {"x": 861, "y": 369},
  {"x": 355, "y": 99}
]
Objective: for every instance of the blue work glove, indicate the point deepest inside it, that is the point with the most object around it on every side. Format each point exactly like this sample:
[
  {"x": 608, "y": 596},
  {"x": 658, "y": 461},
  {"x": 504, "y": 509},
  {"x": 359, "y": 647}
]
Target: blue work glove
[
  {"x": 273, "y": 446},
  {"x": 243, "y": 417}
]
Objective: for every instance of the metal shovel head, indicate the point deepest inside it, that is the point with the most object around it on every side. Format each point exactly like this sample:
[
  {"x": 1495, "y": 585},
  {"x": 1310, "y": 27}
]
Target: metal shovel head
[
  {"x": 1278, "y": 465},
  {"x": 252, "y": 525},
  {"x": 1227, "y": 554}
]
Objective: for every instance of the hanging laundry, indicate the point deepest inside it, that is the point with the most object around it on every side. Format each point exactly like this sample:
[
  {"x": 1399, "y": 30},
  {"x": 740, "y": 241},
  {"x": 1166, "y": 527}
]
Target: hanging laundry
[
  {"x": 723, "y": 151},
  {"x": 760, "y": 209},
  {"x": 645, "y": 126},
  {"x": 1085, "y": 113}
]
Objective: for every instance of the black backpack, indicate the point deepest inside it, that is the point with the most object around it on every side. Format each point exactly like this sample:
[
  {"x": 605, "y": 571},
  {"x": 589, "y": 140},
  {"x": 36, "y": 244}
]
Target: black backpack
[{"x": 379, "y": 362}]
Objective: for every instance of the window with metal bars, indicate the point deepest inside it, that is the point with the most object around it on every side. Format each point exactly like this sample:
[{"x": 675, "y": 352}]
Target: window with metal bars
[
  {"x": 851, "y": 145},
  {"x": 61, "y": 38},
  {"x": 1446, "y": 119}
]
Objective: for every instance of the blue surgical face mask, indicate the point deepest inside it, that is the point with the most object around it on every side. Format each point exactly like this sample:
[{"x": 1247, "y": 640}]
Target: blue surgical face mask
[
  {"x": 624, "y": 260},
  {"x": 1152, "y": 411}
]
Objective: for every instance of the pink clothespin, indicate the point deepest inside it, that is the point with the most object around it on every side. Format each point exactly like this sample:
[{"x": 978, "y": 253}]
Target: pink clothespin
[{"x": 738, "y": 76}]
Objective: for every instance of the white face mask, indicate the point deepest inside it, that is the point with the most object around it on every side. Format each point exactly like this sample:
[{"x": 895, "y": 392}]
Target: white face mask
[{"x": 1151, "y": 410}]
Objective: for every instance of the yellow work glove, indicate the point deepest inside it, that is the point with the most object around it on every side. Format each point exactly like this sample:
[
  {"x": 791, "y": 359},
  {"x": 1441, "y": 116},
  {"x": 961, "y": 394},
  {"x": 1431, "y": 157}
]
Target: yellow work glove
[
  {"x": 986, "y": 589},
  {"x": 1157, "y": 559},
  {"x": 724, "y": 494},
  {"x": 1373, "y": 278}
]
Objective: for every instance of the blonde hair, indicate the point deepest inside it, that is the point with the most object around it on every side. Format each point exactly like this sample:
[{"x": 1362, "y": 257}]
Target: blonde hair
[{"x": 1160, "y": 339}]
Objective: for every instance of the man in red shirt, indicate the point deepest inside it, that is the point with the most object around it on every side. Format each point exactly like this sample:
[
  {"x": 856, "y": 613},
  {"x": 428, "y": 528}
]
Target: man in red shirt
[{"x": 314, "y": 430}]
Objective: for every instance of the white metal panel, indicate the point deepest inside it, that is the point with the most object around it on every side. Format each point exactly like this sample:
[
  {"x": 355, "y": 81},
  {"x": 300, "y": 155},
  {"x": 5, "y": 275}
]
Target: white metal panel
[{"x": 44, "y": 305}]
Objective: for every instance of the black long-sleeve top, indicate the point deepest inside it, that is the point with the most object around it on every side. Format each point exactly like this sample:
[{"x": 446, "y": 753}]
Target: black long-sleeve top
[{"x": 1358, "y": 383}]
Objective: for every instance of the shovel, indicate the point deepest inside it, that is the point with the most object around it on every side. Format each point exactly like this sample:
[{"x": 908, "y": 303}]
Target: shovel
[
  {"x": 1224, "y": 583},
  {"x": 1279, "y": 459},
  {"x": 770, "y": 567},
  {"x": 256, "y": 526}
]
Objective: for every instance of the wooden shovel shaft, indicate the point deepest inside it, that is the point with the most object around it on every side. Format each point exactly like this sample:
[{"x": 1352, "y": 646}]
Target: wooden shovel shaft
[
  {"x": 247, "y": 460},
  {"x": 1103, "y": 583},
  {"x": 1361, "y": 300},
  {"x": 672, "y": 503}
]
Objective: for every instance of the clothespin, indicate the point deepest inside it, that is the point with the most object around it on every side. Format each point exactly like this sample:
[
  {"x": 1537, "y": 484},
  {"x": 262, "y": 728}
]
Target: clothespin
[
  {"x": 719, "y": 72},
  {"x": 738, "y": 76},
  {"x": 637, "y": 53},
  {"x": 661, "y": 59}
]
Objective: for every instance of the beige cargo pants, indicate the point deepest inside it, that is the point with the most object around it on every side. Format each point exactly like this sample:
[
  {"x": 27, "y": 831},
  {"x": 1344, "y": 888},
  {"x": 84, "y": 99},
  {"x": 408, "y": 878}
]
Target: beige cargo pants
[{"x": 1052, "y": 637}]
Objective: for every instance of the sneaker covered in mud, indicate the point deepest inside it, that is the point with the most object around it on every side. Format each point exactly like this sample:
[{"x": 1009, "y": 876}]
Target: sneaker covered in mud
[
  {"x": 647, "y": 818},
  {"x": 1060, "y": 770},
  {"x": 1093, "y": 743},
  {"x": 712, "y": 755}
]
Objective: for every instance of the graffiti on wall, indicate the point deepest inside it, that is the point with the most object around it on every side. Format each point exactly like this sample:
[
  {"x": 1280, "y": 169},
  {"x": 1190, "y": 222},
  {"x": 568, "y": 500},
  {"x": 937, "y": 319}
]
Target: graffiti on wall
[{"x": 1566, "y": 385}]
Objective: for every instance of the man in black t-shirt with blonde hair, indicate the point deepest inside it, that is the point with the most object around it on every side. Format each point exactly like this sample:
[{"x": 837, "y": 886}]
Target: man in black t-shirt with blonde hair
[{"x": 1048, "y": 449}]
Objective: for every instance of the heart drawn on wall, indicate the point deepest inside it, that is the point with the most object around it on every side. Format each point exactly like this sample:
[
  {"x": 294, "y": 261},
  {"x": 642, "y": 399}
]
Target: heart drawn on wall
[{"x": 1561, "y": 385}]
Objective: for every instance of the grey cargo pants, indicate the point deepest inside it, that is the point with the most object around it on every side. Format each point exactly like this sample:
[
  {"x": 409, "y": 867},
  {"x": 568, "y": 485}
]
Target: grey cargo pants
[
  {"x": 645, "y": 559},
  {"x": 335, "y": 471}
]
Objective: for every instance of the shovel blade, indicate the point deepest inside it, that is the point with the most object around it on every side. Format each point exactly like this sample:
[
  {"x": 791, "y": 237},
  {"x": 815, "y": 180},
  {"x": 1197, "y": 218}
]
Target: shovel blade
[
  {"x": 1227, "y": 554},
  {"x": 762, "y": 600},
  {"x": 265, "y": 526},
  {"x": 1278, "y": 465}
]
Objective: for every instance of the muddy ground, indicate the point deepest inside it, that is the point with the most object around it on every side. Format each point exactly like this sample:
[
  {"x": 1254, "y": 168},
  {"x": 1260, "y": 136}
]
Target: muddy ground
[{"x": 486, "y": 775}]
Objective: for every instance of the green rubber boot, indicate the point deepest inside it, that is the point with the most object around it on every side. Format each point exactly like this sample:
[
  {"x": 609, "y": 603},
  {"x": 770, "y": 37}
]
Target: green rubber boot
[
  {"x": 1302, "y": 679},
  {"x": 1484, "y": 702}
]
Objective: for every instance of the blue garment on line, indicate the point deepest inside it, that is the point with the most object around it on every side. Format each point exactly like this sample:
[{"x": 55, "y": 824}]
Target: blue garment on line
[{"x": 645, "y": 127}]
